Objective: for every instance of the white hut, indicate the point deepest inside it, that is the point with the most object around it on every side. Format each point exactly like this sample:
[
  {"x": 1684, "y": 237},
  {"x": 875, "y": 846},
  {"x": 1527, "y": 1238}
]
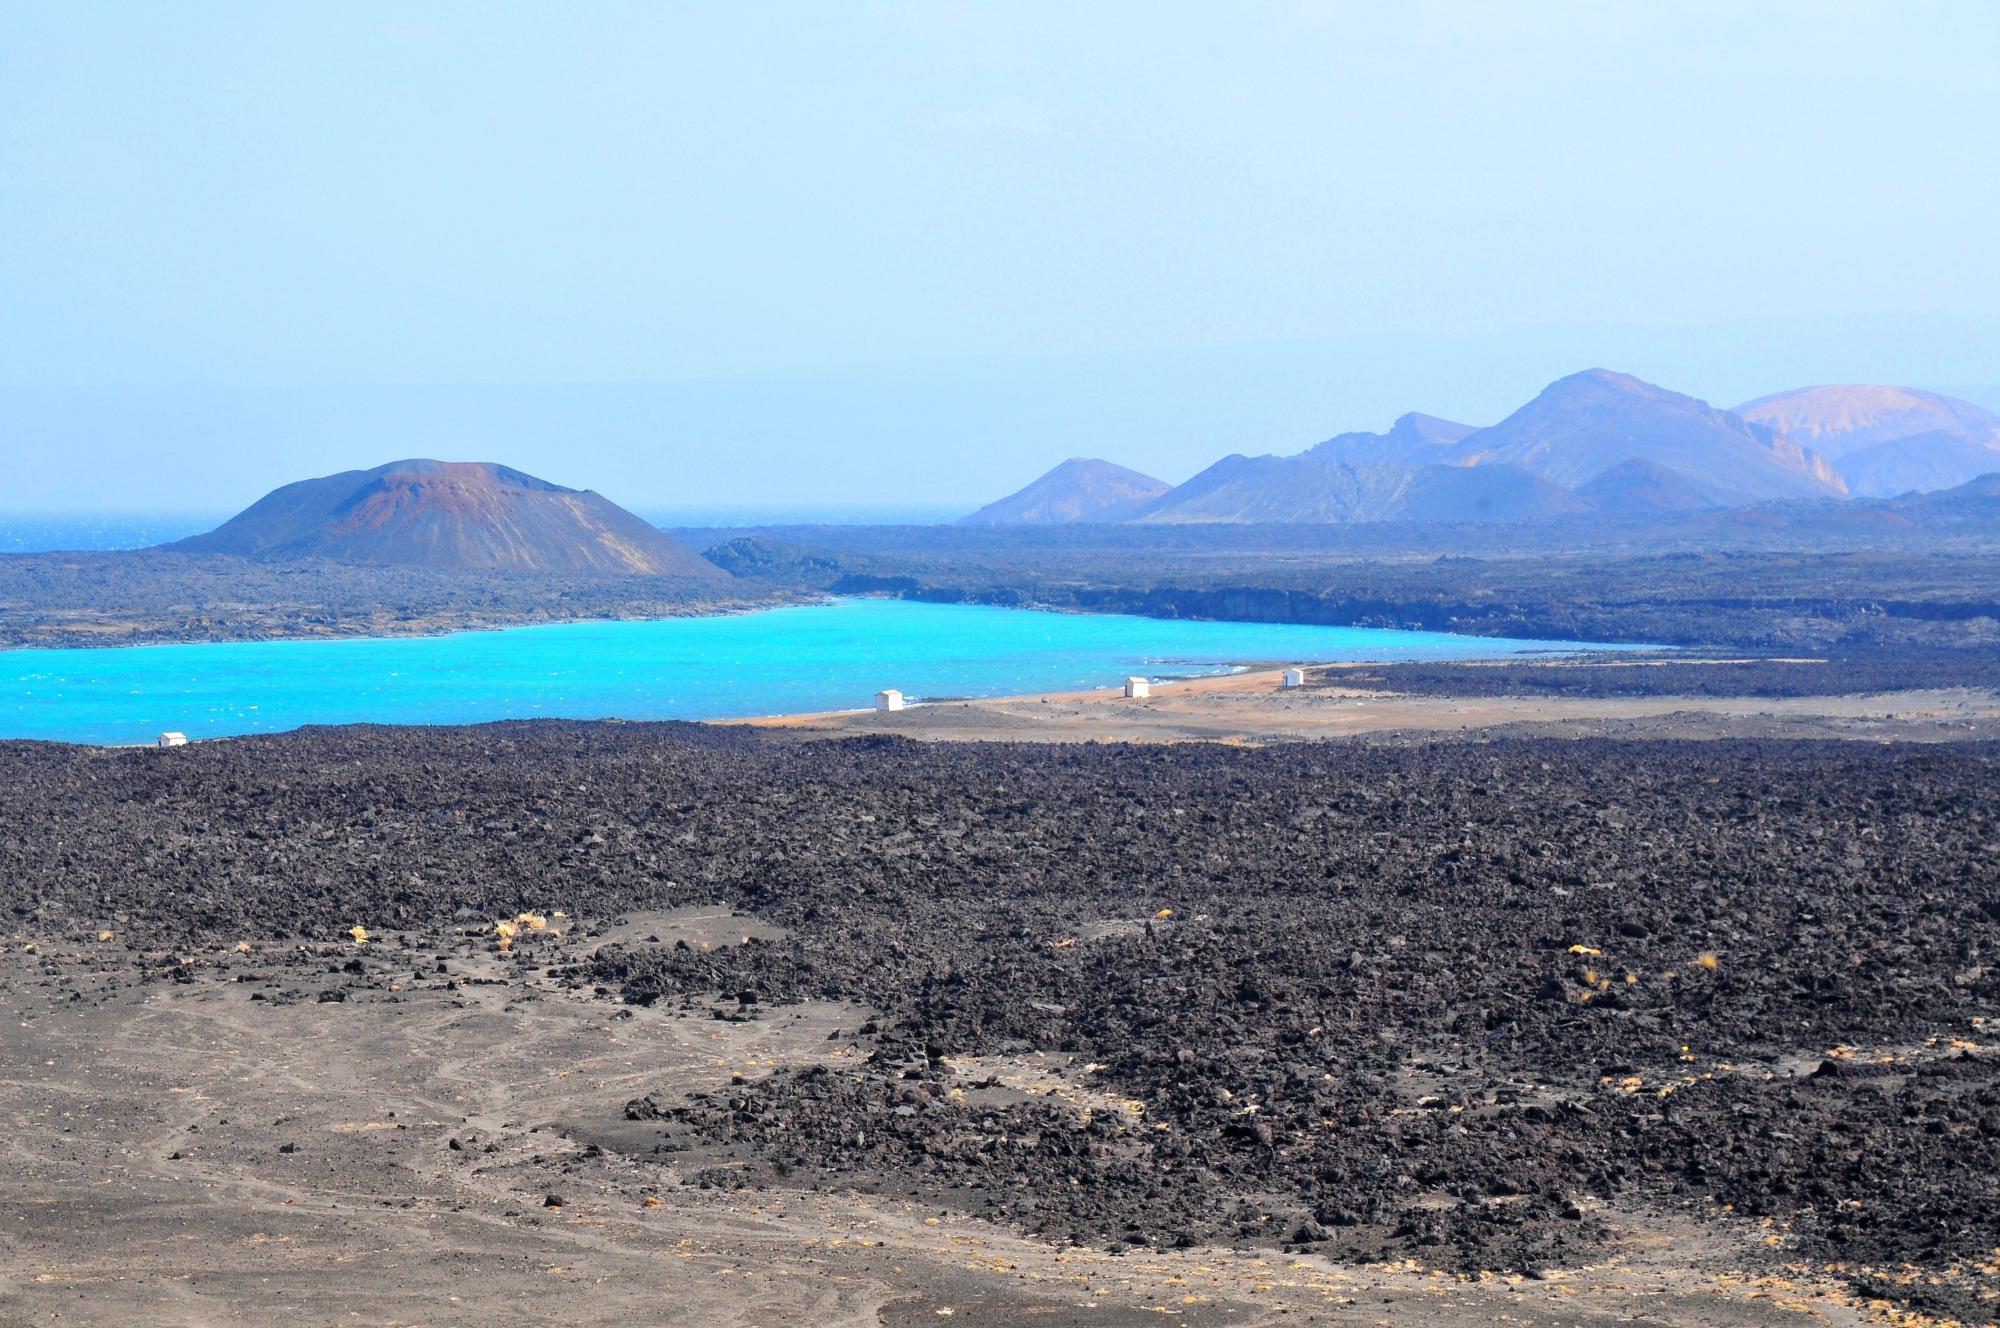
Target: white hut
[
  {"x": 891, "y": 699},
  {"x": 1295, "y": 677},
  {"x": 173, "y": 739},
  {"x": 1138, "y": 687}
]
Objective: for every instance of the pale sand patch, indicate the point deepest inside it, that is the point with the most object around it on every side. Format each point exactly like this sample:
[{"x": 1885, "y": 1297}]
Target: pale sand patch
[
  {"x": 1252, "y": 708},
  {"x": 130, "y": 1198}
]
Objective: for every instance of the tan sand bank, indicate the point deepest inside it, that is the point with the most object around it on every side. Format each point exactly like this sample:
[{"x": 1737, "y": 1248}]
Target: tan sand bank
[
  {"x": 422, "y": 1153},
  {"x": 1253, "y": 708}
]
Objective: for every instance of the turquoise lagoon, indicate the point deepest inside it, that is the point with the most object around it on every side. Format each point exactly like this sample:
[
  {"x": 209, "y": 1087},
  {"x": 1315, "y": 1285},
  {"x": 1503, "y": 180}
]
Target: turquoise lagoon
[{"x": 829, "y": 656}]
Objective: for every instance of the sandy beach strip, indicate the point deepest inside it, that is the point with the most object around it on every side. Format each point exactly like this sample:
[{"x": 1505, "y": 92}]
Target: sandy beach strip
[{"x": 1254, "y": 708}]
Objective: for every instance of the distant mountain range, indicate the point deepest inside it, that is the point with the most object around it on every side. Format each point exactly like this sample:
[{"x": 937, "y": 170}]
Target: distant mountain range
[
  {"x": 450, "y": 515},
  {"x": 1583, "y": 425},
  {"x": 1596, "y": 441},
  {"x": 1887, "y": 440},
  {"x": 1080, "y": 489},
  {"x": 1593, "y": 443},
  {"x": 1412, "y": 440}
]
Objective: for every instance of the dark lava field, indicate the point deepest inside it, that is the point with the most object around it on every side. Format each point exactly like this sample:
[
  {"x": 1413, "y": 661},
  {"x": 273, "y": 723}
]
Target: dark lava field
[{"x": 1477, "y": 1004}]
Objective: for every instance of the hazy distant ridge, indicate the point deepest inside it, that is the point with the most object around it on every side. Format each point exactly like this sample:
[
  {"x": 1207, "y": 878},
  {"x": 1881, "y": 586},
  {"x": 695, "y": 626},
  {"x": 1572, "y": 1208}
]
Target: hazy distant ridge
[
  {"x": 1887, "y": 440},
  {"x": 1080, "y": 489},
  {"x": 1585, "y": 424},
  {"x": 1593, "y": 441}
]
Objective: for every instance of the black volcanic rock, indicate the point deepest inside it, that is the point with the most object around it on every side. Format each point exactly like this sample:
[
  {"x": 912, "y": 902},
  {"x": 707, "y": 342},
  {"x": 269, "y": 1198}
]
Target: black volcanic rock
[
  {"x": 1585, "y": 424},
  {"x": 1081, "y": 489},
  {"x": 761, "y": 556},
  {"x": 1375, "y": 946},
  {"x": 450, "y": 515}
]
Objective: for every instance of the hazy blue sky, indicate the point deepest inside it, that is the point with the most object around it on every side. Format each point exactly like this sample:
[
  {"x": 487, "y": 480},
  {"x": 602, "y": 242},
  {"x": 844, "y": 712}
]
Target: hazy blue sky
[{"x": 805, "y": 246}]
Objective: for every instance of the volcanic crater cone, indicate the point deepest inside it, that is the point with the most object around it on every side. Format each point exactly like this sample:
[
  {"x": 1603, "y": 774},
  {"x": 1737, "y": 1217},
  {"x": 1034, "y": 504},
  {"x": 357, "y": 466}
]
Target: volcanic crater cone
[{"x": 451, "y": 515}]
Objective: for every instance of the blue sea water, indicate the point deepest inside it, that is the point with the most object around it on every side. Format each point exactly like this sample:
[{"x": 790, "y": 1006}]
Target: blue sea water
[
  {"x": 814, "y": 657},
  {"x": 69, "y": 532}
]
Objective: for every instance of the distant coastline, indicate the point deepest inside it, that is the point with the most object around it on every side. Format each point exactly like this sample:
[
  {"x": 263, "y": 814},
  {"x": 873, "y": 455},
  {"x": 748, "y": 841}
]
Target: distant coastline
[{"x": 106, "y": 598}]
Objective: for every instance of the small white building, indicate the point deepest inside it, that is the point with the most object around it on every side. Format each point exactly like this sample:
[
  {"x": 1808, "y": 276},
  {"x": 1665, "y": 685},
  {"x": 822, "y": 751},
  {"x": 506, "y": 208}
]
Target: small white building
[
  {"x": 173, "y": 739},
  {"x": 1138, "y": 687},
  {"x": 1295, "y": 677},
  {"x": 891, "y": 699}
]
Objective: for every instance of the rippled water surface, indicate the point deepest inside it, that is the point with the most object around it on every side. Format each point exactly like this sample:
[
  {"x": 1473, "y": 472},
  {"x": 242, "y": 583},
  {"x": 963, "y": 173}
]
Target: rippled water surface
[{"x": 818, "y": 657}]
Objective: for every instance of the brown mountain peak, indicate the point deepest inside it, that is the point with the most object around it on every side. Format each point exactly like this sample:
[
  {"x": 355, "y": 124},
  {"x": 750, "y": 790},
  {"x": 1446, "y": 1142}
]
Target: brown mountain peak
[{"x": 450, "y": 515}]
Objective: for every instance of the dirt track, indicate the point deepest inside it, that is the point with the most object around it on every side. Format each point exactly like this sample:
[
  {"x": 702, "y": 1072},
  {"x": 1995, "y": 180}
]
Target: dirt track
[
  {"x": 147, "y": 1182},
  {"x": 1252, "y": 708}
]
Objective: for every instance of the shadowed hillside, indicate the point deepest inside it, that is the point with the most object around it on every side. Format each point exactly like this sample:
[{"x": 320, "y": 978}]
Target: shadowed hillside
[
  {"x": 1887, "y": 440},
  {"x": 1080, "y": 489},
  {"x": 1584, "y": 425}
]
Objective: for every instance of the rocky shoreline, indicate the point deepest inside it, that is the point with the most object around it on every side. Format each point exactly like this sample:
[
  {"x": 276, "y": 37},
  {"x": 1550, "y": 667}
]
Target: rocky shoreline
[{"x": 150, "y": 597}]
